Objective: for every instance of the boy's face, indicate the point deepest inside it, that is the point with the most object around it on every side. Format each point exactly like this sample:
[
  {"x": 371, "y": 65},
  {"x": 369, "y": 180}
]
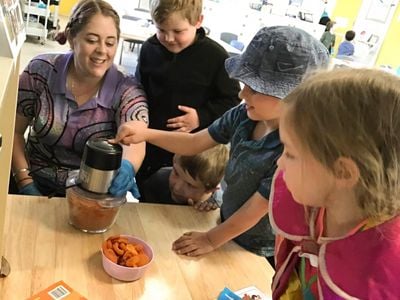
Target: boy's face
[
  {"x": 176, "y": 33},
  {"x": 184, "y": 187},
  {"x": 260, "y": 107}
]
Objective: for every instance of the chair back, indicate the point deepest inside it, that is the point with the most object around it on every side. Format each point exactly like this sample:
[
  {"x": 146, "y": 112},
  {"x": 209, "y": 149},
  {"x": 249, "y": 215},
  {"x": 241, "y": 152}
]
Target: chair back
[
  {"x": 237, "y": 44},
  {"x": 228, "y": 37}
]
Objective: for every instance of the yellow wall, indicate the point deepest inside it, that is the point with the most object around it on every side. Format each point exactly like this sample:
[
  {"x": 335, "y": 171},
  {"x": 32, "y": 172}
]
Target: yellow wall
[
  {"x": 388, "y": 54},
  {"x": 66, "y": 6},
  {"x": 348, "y": 10}
]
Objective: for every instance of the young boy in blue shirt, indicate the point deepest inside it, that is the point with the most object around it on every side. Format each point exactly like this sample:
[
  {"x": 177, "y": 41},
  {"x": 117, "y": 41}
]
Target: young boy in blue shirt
[
  {"x": 346, "y": 48},
  {"x": 273, "y": 64}
]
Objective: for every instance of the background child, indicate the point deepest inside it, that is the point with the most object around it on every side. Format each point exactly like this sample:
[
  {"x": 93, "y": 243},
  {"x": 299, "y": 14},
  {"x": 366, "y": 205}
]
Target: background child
[
  {"x": 273, "y": 64},
  {"x": 341, "y": 166},
  {"x": 192, "y": 180},
  {"x": 346, "y": 48},
  {"x": 328, "y": 38},
  {"x": 183, "y": 74}
]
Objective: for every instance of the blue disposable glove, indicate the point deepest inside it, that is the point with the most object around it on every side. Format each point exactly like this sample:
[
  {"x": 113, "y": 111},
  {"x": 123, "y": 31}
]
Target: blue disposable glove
[
  {"x": 30, "y": 189},
  {"x": 124, "y": 181}
]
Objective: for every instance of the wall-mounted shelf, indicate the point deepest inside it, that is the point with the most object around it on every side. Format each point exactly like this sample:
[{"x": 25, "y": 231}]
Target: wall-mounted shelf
[{"x": 12, "y": 32}]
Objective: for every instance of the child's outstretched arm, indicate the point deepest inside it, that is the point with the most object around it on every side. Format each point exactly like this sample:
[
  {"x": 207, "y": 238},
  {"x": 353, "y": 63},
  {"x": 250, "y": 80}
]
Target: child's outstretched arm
[
  {"x": 198, "y": 243},
  {"x": 134, "y": 132}
]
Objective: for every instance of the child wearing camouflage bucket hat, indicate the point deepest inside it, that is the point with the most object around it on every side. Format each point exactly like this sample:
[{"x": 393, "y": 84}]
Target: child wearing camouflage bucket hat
[{"x": 274, "y": 63}]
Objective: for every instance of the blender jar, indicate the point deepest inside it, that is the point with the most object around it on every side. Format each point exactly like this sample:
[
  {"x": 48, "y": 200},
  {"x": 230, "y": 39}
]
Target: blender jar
[{"x": 91, "y": 212}]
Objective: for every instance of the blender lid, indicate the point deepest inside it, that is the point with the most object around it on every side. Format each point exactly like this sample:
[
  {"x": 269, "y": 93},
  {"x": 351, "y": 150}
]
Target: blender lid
[{"x": 102, "y": 155}]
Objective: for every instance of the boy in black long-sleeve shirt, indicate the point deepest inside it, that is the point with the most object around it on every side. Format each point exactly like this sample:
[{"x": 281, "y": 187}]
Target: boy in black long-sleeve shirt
[{"x": 183, "y": 74}]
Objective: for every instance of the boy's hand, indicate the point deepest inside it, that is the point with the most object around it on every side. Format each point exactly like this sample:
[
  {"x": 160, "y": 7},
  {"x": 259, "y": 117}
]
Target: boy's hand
[
  {"x": 206, "y": 205},
  {"x": 132, "y": 132},
  {"x": 193, "y": 244},
  {"x": 186, "y": 123}
]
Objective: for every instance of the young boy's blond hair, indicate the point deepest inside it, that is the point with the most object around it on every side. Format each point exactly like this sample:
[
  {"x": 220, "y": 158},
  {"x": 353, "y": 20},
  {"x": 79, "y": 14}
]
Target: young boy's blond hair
[
  {"x": 208, "y": 166},
  {"x": 190, "y": 9}
]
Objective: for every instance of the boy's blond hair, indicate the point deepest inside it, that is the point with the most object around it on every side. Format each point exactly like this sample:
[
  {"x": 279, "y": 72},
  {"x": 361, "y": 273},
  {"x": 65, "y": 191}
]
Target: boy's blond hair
[
  {"x": 353, "y": 113},
  {"x": 207, "y": 166},
  {"x": 190, "y": 9}
]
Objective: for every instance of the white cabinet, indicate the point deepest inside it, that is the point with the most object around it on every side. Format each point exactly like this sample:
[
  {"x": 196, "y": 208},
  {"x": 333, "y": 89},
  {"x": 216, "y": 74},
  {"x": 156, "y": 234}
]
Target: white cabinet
[
  {"x": 33, "y": 11},
  {"x": 38, "y": 18}
]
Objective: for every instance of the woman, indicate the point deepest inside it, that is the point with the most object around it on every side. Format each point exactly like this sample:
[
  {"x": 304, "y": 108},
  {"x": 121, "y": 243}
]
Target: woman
[{"x": 69, "y": 98}]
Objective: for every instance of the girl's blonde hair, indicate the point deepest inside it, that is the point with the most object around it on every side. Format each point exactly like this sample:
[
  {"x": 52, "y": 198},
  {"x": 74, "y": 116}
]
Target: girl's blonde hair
[
  {"x": 353, "y": 113},
  {"x": 189, "y": 9}
]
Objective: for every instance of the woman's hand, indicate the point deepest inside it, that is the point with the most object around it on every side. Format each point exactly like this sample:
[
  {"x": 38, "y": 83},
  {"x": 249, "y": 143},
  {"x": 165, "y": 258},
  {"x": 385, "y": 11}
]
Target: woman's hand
[
  {"x": 132, "y": 132},
  {"x": 193, "y": 244},
  {"x": 30, "y": 189},
  {"x": 124, "y": 181},
  {"x": 186, "y": 123}
]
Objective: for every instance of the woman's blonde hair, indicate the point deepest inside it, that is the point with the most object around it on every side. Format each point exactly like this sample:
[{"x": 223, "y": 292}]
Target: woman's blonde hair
[
  {"x": 207, "y": 166},
  {"x": 189, "y": 9},
  {"x": 353, "y": 113}
]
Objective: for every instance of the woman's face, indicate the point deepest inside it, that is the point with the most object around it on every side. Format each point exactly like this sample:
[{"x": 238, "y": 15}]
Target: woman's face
[{"x": 95, "y": 46}]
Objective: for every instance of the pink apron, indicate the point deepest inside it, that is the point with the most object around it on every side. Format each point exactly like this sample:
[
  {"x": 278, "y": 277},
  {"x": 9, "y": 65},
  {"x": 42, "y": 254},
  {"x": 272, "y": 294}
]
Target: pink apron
[{"x": 364, "y": 265}]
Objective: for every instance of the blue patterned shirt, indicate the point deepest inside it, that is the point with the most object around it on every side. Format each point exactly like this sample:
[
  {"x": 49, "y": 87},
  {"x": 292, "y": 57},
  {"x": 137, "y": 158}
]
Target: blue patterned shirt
[{"x": 250, "y": 168}]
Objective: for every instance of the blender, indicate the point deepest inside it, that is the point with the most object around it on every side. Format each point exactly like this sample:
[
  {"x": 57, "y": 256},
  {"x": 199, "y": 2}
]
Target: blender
[{"x": 91, "y": 208}]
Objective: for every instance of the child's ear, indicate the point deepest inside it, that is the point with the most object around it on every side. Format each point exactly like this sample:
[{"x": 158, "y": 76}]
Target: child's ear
[
  {"x": 346, "y": 172},
  {"x": 199, "y": 22}
]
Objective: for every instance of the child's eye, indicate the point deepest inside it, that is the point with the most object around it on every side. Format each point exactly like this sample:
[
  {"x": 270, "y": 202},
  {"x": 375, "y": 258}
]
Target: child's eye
[
  {"x": 110, "y": 44},
  {"x": 288, "y": 155}
]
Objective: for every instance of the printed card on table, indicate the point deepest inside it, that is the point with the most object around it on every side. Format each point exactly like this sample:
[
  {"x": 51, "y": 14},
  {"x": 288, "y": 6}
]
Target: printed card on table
[
  {"x": 252, "y": 293},
  {"x": 57, "y": 291}
]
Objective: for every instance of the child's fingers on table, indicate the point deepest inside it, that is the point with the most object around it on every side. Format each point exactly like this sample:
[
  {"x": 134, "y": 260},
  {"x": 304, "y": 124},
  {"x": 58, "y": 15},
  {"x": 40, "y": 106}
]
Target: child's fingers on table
[
  {"x": 186, "y": 250},
  {"x": 182, "y": 241}
]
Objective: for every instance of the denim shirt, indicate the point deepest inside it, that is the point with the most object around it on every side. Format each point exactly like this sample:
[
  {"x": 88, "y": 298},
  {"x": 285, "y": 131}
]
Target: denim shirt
[{"x": 250, "y": 168}]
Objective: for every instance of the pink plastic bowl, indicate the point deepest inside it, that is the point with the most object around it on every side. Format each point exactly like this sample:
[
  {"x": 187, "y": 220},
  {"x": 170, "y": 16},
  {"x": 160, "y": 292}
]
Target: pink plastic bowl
[{"x": 128, "y": 273}]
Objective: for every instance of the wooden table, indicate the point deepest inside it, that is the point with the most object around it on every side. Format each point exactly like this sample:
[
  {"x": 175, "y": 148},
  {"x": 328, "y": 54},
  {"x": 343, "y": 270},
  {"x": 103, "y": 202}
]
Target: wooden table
[{"x": 43, "y": 248}]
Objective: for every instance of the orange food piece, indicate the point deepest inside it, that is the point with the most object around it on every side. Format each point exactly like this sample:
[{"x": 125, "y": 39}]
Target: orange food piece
[
  {"x": 104, "y": 246},
  {"x": 110, "y": 254},
  {"x": 139, "y": 248},
  {"x": 122, "y": 246},
  {"x": 131, "y": 248},
  {"x": 133, "y": 261},
  {"x": 117, "y": 250},
  {"x": 143, "y": 259}
]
